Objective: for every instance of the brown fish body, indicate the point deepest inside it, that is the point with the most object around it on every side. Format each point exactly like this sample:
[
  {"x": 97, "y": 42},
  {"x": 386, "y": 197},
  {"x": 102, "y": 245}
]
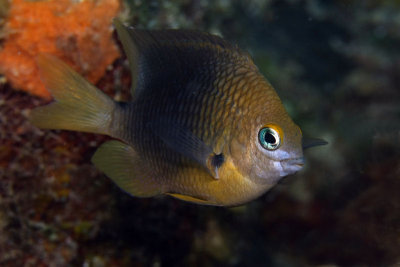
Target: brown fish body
[
  {"x": 215, "y": 108},
  {"x": 204, "y": 125}
]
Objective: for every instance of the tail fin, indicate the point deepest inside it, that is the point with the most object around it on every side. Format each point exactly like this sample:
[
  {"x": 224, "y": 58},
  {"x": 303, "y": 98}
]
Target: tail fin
[{"x": 79, "y": 105}]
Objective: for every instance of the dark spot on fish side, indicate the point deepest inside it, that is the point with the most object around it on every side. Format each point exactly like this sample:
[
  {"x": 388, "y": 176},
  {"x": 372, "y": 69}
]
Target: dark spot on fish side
[{"x": 218, "y": 160}]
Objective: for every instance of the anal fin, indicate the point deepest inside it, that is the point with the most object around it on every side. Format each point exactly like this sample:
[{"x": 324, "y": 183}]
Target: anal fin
[
  {"x": 122, "y": 164},
  {"x": 190, "y": 198}
]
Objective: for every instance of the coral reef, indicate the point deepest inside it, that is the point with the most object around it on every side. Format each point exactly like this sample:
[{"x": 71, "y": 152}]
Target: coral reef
[
  {"x": 78, "y": 32},
  {"x": 46, "y": 191}
]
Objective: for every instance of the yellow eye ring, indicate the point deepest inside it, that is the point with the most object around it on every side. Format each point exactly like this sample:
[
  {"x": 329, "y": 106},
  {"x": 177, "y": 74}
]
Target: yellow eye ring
[{"x": 270, "y": 137}]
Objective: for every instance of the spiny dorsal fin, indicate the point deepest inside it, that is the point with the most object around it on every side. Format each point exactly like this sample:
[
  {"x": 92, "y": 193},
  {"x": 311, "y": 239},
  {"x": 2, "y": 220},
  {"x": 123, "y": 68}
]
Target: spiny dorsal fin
[
  {"x": 155, "y": 55},
  {"x": 145, "y": 39},
  {"x": 130, "y": 49}
]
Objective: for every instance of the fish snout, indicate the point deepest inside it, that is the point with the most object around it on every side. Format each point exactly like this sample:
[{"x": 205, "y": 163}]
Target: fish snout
[{"x": 291, "y": 166}]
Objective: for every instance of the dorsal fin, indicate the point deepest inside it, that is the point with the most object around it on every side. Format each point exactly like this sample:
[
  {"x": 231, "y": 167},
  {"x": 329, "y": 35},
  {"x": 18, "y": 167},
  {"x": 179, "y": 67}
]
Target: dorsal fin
[
  {"x": 130, "y": 49},
  {"x": 155, "y": 55},
  {"x": 161, "y": 39}
]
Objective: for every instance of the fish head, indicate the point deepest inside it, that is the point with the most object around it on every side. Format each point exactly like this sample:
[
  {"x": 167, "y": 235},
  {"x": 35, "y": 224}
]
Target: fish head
[{"x": 268, "y": 147}]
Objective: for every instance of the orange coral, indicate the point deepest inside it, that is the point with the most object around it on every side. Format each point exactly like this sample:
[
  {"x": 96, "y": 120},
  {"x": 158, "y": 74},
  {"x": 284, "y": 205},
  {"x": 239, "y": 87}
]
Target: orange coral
[{"x": 78, "y": 32}]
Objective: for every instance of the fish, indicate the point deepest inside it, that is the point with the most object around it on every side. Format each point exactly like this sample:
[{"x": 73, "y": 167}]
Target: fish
[{"x": 204, "y": 125}]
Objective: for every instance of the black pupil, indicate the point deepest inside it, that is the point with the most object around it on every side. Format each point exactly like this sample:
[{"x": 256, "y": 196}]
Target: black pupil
[{"x": 269, "y": 138}]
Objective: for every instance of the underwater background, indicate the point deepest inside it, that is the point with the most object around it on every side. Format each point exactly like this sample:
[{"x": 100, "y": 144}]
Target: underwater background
[{"x": 336, "y": 66}]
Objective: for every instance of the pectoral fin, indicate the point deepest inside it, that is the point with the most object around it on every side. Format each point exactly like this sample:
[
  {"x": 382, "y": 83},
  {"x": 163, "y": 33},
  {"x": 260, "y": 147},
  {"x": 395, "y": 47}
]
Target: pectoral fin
[
  {"x": 121, "y": 163},
  {"x": 214, "y": 162},
  {"x": 183, "y": 141}
]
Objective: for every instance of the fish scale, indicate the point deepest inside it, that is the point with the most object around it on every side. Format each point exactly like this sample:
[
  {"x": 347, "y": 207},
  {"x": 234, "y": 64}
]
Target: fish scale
[{"x": 207, "y": 125}]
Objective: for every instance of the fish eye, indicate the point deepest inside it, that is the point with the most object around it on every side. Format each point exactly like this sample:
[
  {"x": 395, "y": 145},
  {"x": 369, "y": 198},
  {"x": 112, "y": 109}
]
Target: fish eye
[{"x": 269, "y": 138}]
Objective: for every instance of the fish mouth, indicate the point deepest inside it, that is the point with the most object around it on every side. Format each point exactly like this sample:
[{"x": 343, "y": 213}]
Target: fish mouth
[{"x": 291, "y": 166}]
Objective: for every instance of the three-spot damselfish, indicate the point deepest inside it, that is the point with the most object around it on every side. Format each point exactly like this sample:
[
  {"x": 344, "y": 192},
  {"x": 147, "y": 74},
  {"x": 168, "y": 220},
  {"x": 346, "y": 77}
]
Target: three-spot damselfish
[{"x": 203, "y": 126}]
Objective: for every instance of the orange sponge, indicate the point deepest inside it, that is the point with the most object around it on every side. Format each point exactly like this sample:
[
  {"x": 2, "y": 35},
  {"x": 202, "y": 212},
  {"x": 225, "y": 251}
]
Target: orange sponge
[{"x": 78, "y": 32}]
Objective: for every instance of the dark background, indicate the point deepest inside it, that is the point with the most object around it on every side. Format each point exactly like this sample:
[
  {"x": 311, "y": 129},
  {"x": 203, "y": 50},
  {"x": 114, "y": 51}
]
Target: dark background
[{"x": 336, "y": 66}]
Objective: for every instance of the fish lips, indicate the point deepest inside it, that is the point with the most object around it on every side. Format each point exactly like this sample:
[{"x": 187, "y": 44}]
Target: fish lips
[{"x": 290, "y": 166}]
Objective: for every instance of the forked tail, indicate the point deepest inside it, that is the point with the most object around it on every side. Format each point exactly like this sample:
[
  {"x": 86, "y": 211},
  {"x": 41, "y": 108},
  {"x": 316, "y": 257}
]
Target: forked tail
[{"x": 79, "y": 105}]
